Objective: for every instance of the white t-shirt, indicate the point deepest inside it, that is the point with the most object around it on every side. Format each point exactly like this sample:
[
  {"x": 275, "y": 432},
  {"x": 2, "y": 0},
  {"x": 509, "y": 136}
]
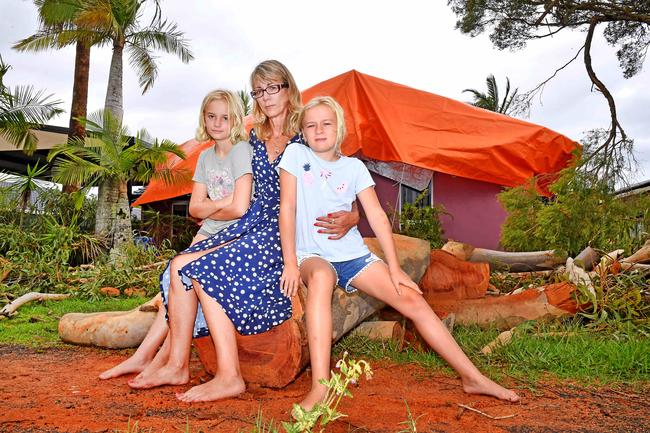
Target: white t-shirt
[
  {"x": 324, "y": 187},
  {"x": 219, "y": 176}
]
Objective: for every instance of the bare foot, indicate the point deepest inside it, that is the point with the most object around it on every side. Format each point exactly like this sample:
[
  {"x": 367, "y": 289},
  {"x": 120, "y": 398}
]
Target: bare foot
[
  {"x": 316, "y": 395},
  {"x": 131, "y": 365},
  {"x": 485, "y": 386},
  {"x": 166, "y": 375},
  {"x": 216, "y": 389},
  {"x": 158, "y": 362}
]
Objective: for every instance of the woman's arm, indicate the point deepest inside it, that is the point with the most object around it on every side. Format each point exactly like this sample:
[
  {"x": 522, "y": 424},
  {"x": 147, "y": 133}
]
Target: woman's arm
[
  {"x": 290, "y": 279},
  {"x": 337, "y": 224},
  {"x": 381, "y": 227},
  {"x": 239, "y": 200}
]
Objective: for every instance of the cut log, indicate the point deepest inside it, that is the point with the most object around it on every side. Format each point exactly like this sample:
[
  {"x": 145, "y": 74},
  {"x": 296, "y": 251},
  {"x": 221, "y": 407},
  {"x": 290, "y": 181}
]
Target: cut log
[
  {"x": 518, "y": 262},
  {"x": 510, "y": 261},
  {"x": 505, "y": 312},
  {"x": 501, "y": 340},
  {"x": 458, "y": 249},
  {"x": 641, "y": 256},
  {"x": 113, "y": 329},
  {"x": 447, "y": 277},
  {"x": 383, "y": 330},
  {"x": 10, "y": 308},
  {"x": 587, "y": 258}
]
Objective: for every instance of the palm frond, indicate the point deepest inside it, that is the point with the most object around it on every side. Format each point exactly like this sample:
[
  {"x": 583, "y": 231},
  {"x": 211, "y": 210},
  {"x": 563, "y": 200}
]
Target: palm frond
[
  {"x": 172, "y": 177},
  {"x": 493, "y": 92},
  {"x": 74, "y": 169},
  {"x": 145, "y": 65},
  {"x": 24, "y": 104},
  {"x": 164, "y": 37}
]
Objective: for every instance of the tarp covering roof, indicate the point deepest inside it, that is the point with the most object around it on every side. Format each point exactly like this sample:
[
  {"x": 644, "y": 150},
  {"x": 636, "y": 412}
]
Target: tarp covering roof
[{"x": 388, "y": 122}]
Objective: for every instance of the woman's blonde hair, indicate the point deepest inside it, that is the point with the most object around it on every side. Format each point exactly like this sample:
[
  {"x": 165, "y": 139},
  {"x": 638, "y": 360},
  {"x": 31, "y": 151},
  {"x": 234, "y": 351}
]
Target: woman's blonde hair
[
  {"x": 235, "y": 114},
  {"x": 330, "y": 102},
  {"x": 270, "y": 71}
]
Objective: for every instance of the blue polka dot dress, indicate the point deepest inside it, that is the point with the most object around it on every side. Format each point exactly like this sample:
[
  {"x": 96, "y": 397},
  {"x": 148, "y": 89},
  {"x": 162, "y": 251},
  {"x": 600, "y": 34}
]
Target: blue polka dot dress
[{"x": 244, "y": 275}]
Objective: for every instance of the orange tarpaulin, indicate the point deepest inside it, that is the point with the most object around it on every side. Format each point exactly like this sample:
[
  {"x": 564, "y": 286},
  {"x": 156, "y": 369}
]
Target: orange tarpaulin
[{"x": 391, "y": 122}]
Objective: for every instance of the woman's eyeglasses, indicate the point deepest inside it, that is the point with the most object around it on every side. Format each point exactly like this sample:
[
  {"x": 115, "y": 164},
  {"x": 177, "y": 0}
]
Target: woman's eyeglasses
[{"x": 270, "y": 90}]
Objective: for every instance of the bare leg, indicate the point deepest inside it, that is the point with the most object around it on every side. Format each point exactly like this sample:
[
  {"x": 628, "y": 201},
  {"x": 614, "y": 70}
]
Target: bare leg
[
  {"x": 182, "y": 313},
  {"x": 145, "y": 352},
  {"x": 228, "y": 381},
  {"x": 321, "y": 281},
  {"x": 148, "y": 351},
  {"x": 376, "y": 282}
]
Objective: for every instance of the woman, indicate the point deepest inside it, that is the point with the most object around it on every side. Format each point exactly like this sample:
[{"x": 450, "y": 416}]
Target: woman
[{"x": 254, "y": 240}]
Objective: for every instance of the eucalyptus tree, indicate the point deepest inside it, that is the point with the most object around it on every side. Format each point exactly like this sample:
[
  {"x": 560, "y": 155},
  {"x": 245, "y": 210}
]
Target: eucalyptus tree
[
  {"x": 109, "y": 157},
  {"x": 21, "y": 109},
  {"x": 490, "y": 100}
]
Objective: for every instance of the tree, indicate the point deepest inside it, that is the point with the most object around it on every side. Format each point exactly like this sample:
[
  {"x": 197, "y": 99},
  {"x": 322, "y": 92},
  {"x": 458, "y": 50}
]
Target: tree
[
  {"x": 22, "y": 109},
  {"x": 515, "y": 22},
  {"x": 490, "y": 100},
  {"x": 106, "y": 157},
  {"x": 58, "y": 29}
]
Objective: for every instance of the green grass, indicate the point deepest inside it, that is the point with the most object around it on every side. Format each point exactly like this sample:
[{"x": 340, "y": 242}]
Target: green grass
[
  {"x": 36, "y": 323},
  {"x": 587, "y": 357}
]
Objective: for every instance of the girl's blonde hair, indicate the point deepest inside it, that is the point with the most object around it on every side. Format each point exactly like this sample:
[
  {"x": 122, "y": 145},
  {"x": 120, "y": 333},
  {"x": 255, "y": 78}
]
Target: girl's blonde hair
[
  {"x": 235, "y": 114},
  {"x": 330, "y": 102},
  {"x": 270, "y": 71}
]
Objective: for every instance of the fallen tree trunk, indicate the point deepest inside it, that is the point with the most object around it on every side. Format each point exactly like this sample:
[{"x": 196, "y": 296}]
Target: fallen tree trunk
[
  {"x": 112, "y": 329},
  {"x": 276, "y": 357},
  {"x": 510, "y": 261},
  {"x": 447, "y": 277},
  {"x": 10, "y": 308},
  {"x": 640, "y": 256},
  {"x": 505, "y": 312}
]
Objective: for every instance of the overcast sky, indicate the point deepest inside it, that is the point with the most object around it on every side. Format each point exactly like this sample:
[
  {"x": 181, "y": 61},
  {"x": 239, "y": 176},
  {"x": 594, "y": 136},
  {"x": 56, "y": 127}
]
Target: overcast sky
[{"x": 412, "y": 43}]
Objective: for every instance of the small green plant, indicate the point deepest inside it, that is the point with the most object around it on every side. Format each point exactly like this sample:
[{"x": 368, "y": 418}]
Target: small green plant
[
  {"x": 337, "y": 388},
  {"x": 423, "y": 222},
  {"x": 410, "y": 423}
]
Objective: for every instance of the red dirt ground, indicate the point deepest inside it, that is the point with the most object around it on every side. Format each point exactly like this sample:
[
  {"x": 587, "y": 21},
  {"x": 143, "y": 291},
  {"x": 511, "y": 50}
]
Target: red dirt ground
[{"x": 57, "y": 390}]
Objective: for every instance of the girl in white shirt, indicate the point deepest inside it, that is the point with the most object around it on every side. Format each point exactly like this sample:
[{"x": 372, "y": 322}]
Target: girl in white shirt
[{"x": 318, "y": 177}]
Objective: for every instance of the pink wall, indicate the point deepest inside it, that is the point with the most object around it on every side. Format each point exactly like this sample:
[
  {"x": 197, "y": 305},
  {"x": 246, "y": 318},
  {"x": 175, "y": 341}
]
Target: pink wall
[
  {"x": 387, "y": 191},
  {"x": 477, "y": 215}
]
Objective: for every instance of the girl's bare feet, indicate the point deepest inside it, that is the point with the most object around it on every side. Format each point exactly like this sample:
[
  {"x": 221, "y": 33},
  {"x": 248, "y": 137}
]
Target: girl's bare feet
[
  {"x": 131, "y": 365},
  {"x": 166, "y": 375},
  {"x": 216, "y": 389},
  {"x": 316, "y": 395},
  {"x": 483, "y": 385}
]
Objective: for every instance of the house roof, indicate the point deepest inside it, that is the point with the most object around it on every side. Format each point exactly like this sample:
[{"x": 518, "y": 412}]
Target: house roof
[{"x": 390, "y": 122}]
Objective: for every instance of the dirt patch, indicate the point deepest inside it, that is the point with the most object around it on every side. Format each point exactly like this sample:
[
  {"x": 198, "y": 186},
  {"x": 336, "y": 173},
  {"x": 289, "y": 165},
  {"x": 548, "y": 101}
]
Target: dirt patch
[{"x": 57, "y": 390}]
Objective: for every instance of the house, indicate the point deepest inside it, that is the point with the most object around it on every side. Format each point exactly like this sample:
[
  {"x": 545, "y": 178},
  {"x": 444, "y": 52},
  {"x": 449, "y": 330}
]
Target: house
[{"x": 412, "y": 140}]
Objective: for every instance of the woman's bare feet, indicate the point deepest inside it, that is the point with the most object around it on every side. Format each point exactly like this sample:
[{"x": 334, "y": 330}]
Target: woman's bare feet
[
  {"x": 485, "y": 386},
  {"x": 131, "y": 365},
  {"x": 166, "y": 375},
  {"x": 216, "y": 389},
  {"x": 316, "y": 395}
]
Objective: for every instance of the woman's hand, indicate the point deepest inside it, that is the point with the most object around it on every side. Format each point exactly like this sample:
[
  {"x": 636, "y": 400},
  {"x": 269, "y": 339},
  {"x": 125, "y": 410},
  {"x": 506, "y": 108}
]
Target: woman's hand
[
  {"x": 337, "y": 224},
  {"x": 290, "y": 280},
  {"x": 399, "y": 277}
]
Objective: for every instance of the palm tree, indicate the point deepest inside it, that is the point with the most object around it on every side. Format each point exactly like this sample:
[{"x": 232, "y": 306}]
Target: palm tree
[
  {"x": 106, "y": 157},
  {"x": 120, "y": 22},
  {"x": 22, "y": 109},
  {"x": 490, "y": 101},
  {"x": 58, "y": 29}
]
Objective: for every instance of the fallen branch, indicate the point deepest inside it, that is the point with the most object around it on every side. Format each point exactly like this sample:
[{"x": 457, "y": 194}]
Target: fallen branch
[
  {"x": 485, "y": 414},
  {"x": 10, "y": 308}
]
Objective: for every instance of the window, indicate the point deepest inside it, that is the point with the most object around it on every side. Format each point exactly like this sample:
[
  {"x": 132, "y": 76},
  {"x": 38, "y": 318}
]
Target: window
[
  {"x": 410, "y": 195},
  {"x": 180, "y": 208}
]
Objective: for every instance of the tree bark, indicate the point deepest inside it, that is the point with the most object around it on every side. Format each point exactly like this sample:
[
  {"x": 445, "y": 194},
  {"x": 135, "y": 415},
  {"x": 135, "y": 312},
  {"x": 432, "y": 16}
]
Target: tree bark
[
  {"x": 10, "y": 308},
  {"x": 450, "y": 278},
  {"x": 114, "y": 100},
  {"x": 107, "y": 198},
  {"x": 79, "y": 105}
]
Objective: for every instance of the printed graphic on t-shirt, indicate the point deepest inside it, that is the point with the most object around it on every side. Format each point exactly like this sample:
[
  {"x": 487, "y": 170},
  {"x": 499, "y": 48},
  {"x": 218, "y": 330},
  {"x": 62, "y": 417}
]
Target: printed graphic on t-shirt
[
  {"x": 307, "y": 175},
  {"x": 220, "y": 184}
]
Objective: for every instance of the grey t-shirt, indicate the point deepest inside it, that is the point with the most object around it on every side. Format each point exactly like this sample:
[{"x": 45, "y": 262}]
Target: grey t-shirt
[{"x": 219, "y": 176}]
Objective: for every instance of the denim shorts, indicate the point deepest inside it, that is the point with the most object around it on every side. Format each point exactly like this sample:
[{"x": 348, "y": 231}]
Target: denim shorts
[{"x": 348, "y": 270}]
